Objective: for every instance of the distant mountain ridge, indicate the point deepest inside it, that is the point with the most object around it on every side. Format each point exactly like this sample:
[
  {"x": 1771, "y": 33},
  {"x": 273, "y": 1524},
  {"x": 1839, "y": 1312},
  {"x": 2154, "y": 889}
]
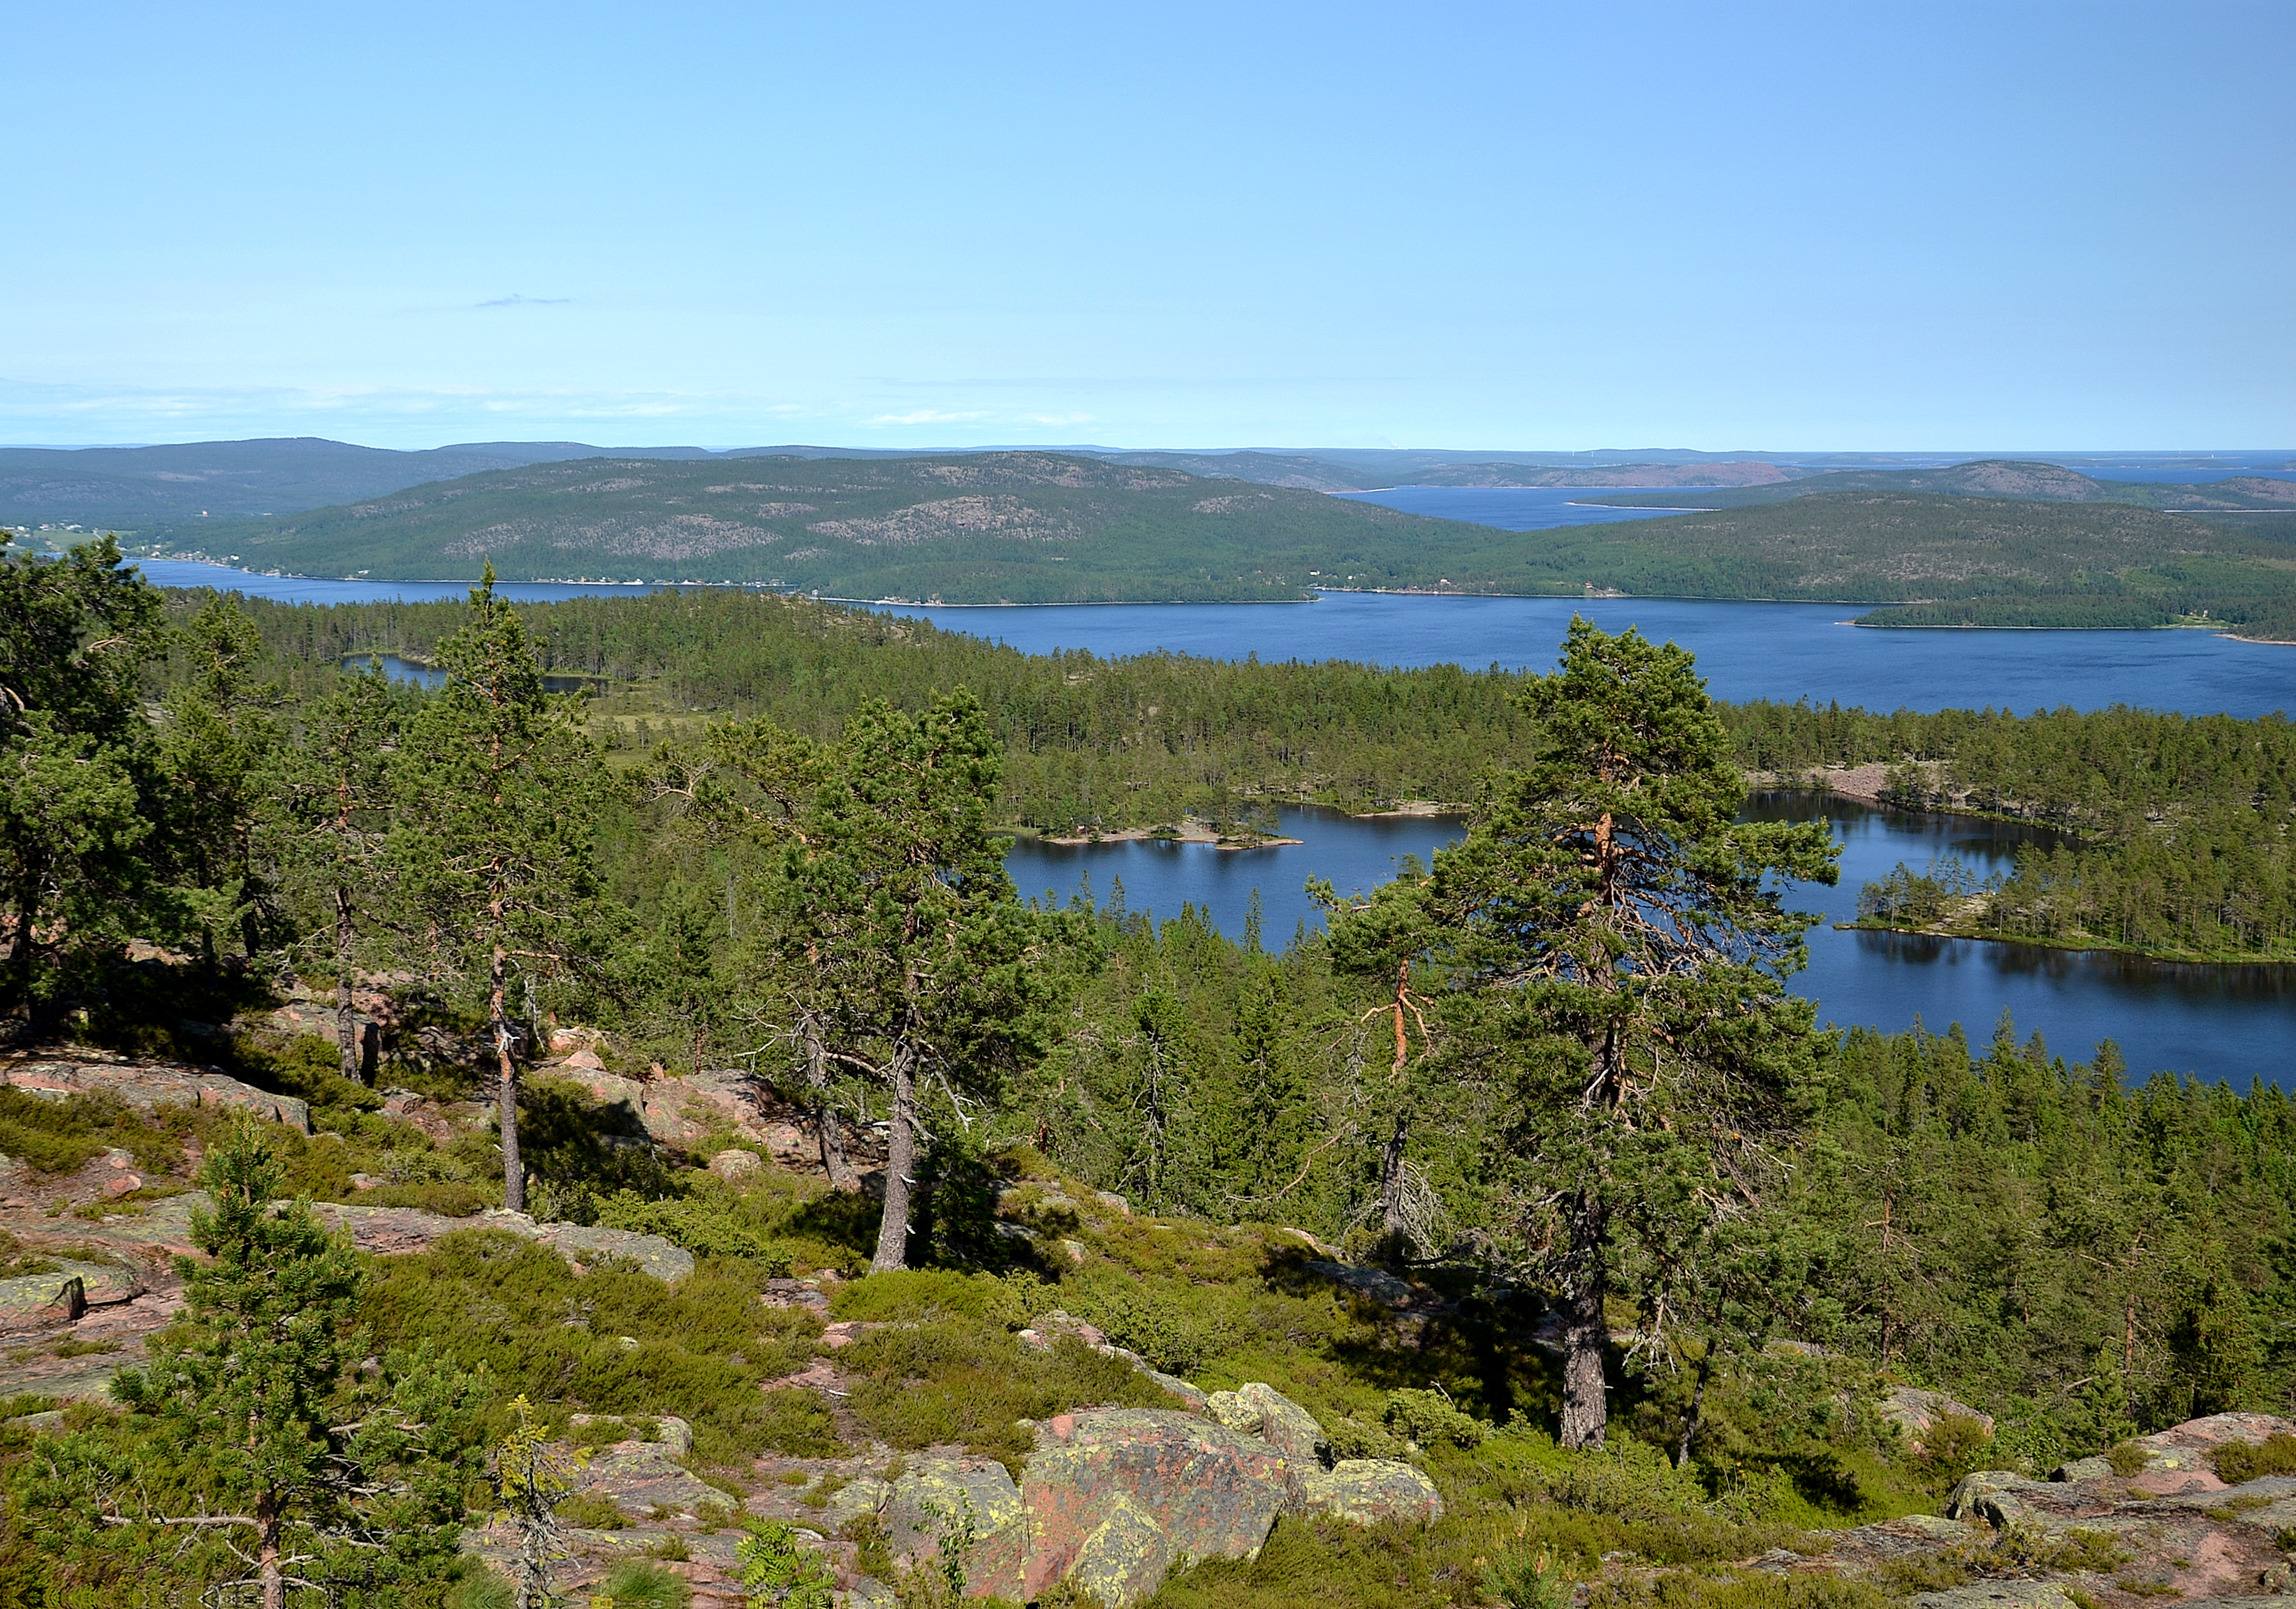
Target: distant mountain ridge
[
  {"x": 983, "y": 527},
  {"x": 2007, "y": 478},
  {"x": 170, "y": 491}
]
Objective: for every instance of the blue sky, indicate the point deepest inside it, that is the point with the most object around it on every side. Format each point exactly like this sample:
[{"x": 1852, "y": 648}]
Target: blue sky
[{"x": 1854, "y": 226}]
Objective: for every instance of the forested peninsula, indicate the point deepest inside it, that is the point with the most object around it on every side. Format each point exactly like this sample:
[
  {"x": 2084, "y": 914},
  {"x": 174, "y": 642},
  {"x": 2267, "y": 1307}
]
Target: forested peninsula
[{"x": 452, "y": 1163}]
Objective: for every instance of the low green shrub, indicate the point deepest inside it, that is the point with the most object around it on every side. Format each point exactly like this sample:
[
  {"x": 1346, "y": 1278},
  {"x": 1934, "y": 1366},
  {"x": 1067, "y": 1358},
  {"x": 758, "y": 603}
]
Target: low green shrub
[
  {"x": 447, "y": 1198},
  {"x": 964, "y": 1380},
  {"x": 642, "y": 1584},
  {"x": 2238, "y": 1461},
  {"x": 591, "y": 1512},
  {"x": 706, "y": 1225},
  {"x": 1177, "y": 1327},
  {"x": 913, "y": 1295},
  {"x": 63, "y": 1136},
  {"x": 1429, "y": 1416}
]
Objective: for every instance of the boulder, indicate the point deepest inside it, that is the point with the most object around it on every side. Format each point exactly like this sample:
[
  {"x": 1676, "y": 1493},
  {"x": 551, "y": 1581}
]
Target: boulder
[
  {"x": 1289, "y": 1427},
  {"x": 1368, "y": 1491},
  {"x": 1913, "y": 1411},
  {"x": 1997, "y": 1496},
  {"x": 730, "y": 1166},
  {"x": 81, "y": 1070},
  {"x": 1229, "y": 1411},
  {"x": 932, "y": 1495},
  {"x": 1115, "y": 1497},
  {"x": 665, "y": 1260},
  {"x": 39, "y": 1301},
  {"x": 642, "y": 1476}
]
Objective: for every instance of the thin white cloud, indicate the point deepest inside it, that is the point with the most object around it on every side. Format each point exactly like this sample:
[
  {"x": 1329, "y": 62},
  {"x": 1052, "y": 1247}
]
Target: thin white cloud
[
  {"x": 927, "y": 416},
  {"x": 515, "y": 300}
]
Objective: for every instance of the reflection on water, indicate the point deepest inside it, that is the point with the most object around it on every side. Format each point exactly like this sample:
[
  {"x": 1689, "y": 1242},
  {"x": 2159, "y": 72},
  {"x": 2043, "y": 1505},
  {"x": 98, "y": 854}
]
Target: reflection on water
[
  {"x": 1357, "y": 854},
  {"x": 2233, "y": 1023}
]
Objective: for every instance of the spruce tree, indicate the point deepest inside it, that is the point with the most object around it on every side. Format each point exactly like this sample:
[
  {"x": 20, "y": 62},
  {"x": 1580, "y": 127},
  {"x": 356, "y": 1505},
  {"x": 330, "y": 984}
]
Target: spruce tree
[{"x": 1618, "y": 952}]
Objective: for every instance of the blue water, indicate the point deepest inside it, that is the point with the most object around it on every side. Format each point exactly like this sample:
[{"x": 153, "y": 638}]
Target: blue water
[
  {"x": 2232, "y": 1022},
  {"x": 1746, "y": 651},
  {"x": 2221, "y": 1022},
  {"x": 316, "y": 589},
  {"x": 1514, "y": 508}
]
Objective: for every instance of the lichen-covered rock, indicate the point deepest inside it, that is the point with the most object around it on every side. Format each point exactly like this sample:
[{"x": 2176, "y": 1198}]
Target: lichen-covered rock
[
  {"x": 644, "y": 1476},
  {"x": 1995, "y": 1496},
  {"x": 2076, "y": 1470},
  {"x": 147, "y": 1086},
  {"x": 1194, "y": 1398},
  {"x": 731, "y": 1165},
  {"x": 34, "y": 1300},
  {"x": 1369, "y": 1491},
  {"x": 1914, "y": 1411},
  {"x": 1289, "y": 1427},
  {"x": 1998, "y": 1595},
  {"x": 934, "y": 1496},
  {"x": 1231, "y": 1412},
  {"x": 665, "y": 1260},
  {"x": 2181, "y": 1458},
  {"x": 1116, "y": 1497}
]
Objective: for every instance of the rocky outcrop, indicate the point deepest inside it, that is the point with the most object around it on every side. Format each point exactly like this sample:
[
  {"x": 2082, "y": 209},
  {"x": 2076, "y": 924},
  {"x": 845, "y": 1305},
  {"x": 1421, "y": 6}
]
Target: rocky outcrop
[
  {"x": 1915, "y": 1412},
  {"x": 1115, "y": 1497},
  {"x": 650, "y": 1477},
  {"x": 2170, "y": 1529},
  {"x": 64, "y": 1294},
  {"x": 65, "y": 1070},
  {"x": 931, "y": 1499}
]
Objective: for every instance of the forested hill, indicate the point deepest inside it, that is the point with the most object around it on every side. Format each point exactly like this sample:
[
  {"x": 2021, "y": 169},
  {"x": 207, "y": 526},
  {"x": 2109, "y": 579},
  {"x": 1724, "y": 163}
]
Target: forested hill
[
  {"x": 1043, "y": 528},
  {"x": 985, "y": 527},
  {"x": 1985, "y": 478}
]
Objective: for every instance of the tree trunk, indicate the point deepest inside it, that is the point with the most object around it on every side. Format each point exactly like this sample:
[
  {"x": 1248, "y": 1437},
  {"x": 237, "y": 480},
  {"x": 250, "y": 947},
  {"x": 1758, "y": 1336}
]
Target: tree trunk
[
  {"x": 842, "y": 1176},
  {"x": 514, "y": 1171},
  {"x": 1697, "y": 1402},
  {"x": 1395, "y": 1227},
  {"x": 346, "y": 1021},
  {"x": 273, "y": 1577},
  {"x": 901, "y": 1152},
  {"x": 1586, "y": 1334}
]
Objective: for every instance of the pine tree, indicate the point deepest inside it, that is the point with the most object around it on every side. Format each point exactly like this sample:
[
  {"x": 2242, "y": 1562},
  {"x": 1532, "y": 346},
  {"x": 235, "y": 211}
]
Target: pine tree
[
  {"x": 927, "y": 972},
  {"x": 79, "y": 791},
  {"x": 492, "y": 844},
  {"x": 327, "y": 814},
  {"x": 1622, "y": 956},
  {"x": 253, "y": 1424}
]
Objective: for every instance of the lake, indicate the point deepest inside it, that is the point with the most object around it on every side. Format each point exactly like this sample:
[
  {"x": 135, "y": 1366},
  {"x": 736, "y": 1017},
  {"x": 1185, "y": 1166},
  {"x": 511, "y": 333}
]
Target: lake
[{"x": 2231, "y": 1023}]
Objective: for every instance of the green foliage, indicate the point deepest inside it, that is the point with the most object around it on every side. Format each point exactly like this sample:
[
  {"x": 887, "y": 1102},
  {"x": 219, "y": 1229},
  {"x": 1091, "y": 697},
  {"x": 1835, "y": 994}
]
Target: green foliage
[
  {"x": 707, "y": 1225},
  {"x": 959, "y": 1380},
  {"x": 80, "y": 777},
  {"x": 251, "y": 1406},
  {"x": 2238, "y": 1461},
  {"x": 1430, "y": 1417},
  {"x": 59, "y": 1136},
  {"x": 779, "y": 1573},
  {"x": 913, "y": 1295},
  {"x": 1524, "y": 1579},
  {"x": 539, "y": 1327},
  {"x": 591, "y": 1512},
  {"x": 642, "y": 1584}
]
